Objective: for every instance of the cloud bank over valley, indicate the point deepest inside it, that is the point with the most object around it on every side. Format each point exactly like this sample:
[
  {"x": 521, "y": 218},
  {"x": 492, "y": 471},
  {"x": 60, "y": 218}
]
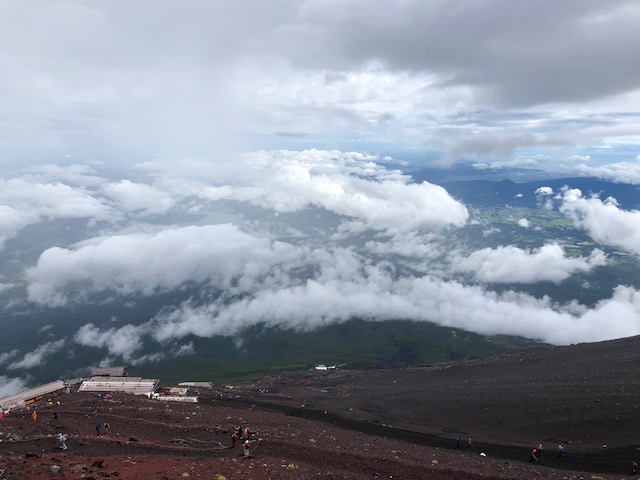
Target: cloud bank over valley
[
  {"x": 173, "y": 175},
  {"x": 300, "y": 241}
]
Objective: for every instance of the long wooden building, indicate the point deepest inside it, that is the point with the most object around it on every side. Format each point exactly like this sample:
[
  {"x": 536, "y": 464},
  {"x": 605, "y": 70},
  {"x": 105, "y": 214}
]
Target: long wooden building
[
  {"x": 27, "y": 397},
  {"x": 109, "y": 372},
  {"x": 134, "y": 385}
]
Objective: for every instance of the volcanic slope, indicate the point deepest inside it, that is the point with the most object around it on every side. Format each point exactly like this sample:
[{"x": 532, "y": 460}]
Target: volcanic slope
[
  {"x": 585, "y": 396},
  {"x": 357, "y": 424}
]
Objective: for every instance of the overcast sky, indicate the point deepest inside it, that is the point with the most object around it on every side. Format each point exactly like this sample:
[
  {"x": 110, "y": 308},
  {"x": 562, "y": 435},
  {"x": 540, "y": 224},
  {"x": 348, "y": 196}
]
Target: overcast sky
[
  {"x": 534, "y": 83},
  {"x": 236, "y": 144}
]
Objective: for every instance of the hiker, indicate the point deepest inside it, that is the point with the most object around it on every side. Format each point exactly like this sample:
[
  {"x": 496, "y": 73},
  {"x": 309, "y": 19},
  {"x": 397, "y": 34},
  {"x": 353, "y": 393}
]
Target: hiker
[
  {"x": 457, "y": 442},
  {"x": 246, "y": 447},
  {"x": 98, "y": 428},
  {"x": 55, "y": 415},
  {"x": 469, "y": 443},
  {"x": 34, "y": 415},
  {"x": 634, "y": 468},
  {"x": 107, "y": 428},
  {"x": 62, "y": 441},
  {"x": 533, "y": 457},
  {"x": 247, "y": 433},
  {"x": 560, "y": 450},
  {"x": 234, "y": 439},
  {"x": 240, "y": 432},
  {"x": 540, "y": 449}
]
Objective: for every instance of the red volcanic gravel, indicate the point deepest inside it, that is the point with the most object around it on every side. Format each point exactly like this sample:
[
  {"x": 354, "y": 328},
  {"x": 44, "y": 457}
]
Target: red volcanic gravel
[{"x": 356, "y": 424}]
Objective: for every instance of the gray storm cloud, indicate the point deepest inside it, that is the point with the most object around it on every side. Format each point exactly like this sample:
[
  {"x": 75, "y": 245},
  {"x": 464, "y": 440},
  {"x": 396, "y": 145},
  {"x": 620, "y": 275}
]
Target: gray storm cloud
[{"x": 516, "y": 51}]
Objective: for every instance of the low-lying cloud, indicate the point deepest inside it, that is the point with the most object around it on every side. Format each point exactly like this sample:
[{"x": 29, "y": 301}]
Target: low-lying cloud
[
  {"x": 304, "y": 239},
  {"x": 510, "y": 264},
  {"x": 603, "y": 220},
  {"x": 38, "y": 356},
  {"x": 9, "y": 385},
  {"x": 145, "y": 264}
]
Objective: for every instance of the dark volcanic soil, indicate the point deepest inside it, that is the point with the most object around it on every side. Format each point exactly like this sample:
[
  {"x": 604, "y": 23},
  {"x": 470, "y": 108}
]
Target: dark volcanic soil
[{"x": 396, "y": 423}]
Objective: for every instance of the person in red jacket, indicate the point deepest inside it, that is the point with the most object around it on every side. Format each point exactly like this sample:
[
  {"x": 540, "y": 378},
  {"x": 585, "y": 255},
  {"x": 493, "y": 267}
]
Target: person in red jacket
[
  {"x": 534, "y": 457},
  {"x": 234, "y": 439}
]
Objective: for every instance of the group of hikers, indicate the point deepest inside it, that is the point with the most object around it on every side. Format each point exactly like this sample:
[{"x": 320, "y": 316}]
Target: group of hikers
[
  {"x": 107, "y": 428},
  {"x": 61, "y": 438},
  {"x": 537, "y": 452},
  {"x": 469, "y": 442},
  {"x": 245, "y": 435}
]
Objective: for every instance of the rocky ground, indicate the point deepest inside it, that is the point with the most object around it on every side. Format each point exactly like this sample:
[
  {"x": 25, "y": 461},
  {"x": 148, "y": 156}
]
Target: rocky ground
[{"x": 357, "y": 424}]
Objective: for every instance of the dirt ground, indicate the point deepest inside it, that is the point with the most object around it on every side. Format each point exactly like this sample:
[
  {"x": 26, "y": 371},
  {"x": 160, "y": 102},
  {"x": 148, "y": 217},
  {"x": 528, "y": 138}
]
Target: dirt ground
[{"x": 357, "y": 424}]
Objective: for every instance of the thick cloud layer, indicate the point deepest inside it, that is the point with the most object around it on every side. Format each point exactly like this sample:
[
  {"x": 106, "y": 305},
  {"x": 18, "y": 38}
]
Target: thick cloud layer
[
  {"x": 376, "y": 249},
  {"x": 300, "y": 240},
  {"x": 358, "y": 192},
  {"x": 146, "y": 264},
  {"x": 377, "y": 297}
]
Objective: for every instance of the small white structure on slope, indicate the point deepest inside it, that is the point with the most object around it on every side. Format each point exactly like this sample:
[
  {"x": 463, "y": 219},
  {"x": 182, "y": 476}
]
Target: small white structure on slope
[
  {"x": 174, "y": 398},
  {"x": 325, "y": 367},
  {"x": 196, "y": 384}
]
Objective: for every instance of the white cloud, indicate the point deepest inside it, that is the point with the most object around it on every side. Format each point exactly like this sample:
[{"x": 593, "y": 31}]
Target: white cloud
[
  {"x": 523, "y": 222},
  {"x": 514, "y": 265},
  {"x": 621, "y": 172},
  {"x": 10, "y": 386},
  {"x": 364, "y": 233},
  {"x": 125, "y": 343},
  {"x": 24, "y": 203},
  {"x": 6, "y": 356},
  {"x": 138, "y": 197},
  {"x": 84, "y": 175},
  {"x": 376, "y": 296},
  {"x": 122, "y": 341},
  {"x": 544, "y": 191},
  {"x": 38, "y": 356},
  {"x": 349, "y": 184},
  {"x": 149, "y": 263},
  {"x": 603, "y": 220}
]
